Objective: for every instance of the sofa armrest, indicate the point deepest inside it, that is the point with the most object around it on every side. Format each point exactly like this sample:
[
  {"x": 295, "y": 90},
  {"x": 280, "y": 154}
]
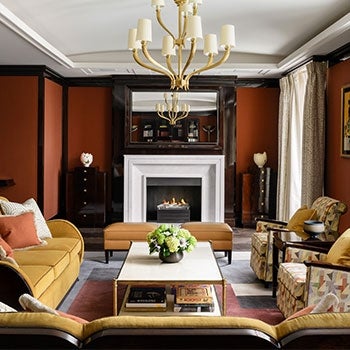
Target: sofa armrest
[
  {"x": 14, "y": 283},
  {"x": 64, "y": 228}
]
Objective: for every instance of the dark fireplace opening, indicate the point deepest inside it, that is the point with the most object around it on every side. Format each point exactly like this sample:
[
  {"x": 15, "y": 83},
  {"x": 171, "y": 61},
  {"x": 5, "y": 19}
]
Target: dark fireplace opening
[{"x": 187, "y": 190}]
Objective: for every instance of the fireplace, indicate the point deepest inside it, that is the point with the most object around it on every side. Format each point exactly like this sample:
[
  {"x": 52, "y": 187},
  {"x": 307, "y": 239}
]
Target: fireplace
[
  {"x": 173, "y": 199},
  {"x": 207, "y": 170}
]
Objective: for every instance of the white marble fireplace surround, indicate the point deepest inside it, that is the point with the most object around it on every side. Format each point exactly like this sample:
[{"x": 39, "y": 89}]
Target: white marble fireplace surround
[{"x": 210, "y": 169}]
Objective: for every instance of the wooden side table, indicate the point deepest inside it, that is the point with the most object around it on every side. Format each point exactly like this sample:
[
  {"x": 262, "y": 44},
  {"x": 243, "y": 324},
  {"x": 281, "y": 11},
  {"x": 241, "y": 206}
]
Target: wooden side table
[{"x": 280, "y": 239}]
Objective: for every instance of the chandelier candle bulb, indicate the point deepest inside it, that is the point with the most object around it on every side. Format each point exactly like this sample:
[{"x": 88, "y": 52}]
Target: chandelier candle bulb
[
  {"x": 198, "y": 2},
  {"x": 186, "y": 9},
  {"x": 227, "y": 37},
  {"x": 158, "y": 3},
  {"x": 210, "y": 44},
  {"x": 144, "y": 30},
  {"x": 132, "y": 42},
  {"x": 194, "y": 28},
  {"x": 168, "y": 46}
]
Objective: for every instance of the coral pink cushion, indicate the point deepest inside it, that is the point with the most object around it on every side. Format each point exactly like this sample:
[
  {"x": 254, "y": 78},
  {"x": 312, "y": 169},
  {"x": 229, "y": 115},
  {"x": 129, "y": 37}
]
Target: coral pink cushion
[
  {"x": 72, "y": 317},
  {"x": 8, "y": 249},
  {"x": 19, "y": 230},
  {"x": 307, "y": 310}
]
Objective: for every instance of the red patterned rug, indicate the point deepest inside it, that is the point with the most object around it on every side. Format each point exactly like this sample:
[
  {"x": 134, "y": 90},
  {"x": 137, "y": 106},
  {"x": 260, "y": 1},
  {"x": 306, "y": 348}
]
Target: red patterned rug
[{"x": 94, "y": 300}]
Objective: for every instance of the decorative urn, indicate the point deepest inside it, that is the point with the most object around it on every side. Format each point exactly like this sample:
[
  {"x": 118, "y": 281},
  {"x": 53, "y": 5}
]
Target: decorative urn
[
  {"x": 260, "y": 159},
  {"x": 86, "y": 159}
]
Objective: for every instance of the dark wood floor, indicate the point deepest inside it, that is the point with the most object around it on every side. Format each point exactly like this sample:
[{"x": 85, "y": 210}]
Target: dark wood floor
[{"x": 93, "y": 238}]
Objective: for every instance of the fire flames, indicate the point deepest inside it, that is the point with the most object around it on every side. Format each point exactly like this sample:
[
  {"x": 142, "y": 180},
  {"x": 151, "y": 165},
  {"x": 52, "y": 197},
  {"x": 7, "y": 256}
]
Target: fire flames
[{"x": 173, "y": 201}]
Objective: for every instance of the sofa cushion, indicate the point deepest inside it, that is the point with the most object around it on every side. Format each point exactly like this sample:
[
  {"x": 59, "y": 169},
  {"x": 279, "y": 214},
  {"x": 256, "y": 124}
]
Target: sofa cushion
[
  {"x": 41, "y": 277},
  {"x": 327, "y": 304},
  {"x": 13, "y": 208},
  {"x": 6, "y": 308},
  {"x": 56, "y": 259},
  {"x": 29, "y": 303},
  {"x": 71, "y": 245},
  {"x": 19, "y": 230},
  {"x": 340, "y": 250}
]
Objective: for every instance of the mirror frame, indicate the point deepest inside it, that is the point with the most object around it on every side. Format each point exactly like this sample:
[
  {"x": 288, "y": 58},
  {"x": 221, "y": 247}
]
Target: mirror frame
[{"x": 123, "y": 85}]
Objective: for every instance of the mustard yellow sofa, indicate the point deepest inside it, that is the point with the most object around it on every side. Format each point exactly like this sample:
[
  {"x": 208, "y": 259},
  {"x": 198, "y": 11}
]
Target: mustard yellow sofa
[
  {"x": 46, "y": 272},
  {"x": 23, "y": 330}
]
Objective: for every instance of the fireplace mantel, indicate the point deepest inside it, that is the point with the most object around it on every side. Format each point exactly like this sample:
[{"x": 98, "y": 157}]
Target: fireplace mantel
[{"x": 210, "y": 168}]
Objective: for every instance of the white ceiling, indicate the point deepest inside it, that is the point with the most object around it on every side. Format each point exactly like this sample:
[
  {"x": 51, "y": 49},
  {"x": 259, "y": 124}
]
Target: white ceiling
[{"x": 89, "y": 37}]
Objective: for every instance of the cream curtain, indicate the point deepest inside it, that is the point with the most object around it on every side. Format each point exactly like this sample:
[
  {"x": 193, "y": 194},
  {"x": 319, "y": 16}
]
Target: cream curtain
[
  {"x": 301, "y": 136},
  {"x": 290, "y": 132}
]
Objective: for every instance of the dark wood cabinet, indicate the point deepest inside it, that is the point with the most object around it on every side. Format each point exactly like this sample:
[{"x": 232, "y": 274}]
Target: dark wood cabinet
[{"x": 86, "y": 197}]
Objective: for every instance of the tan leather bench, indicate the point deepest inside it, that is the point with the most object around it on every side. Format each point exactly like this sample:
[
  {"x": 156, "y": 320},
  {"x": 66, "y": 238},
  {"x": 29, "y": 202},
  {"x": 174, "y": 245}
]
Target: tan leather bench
[
  {"x": 218, "y": 233},
  {"x": 117, "y": 236}
]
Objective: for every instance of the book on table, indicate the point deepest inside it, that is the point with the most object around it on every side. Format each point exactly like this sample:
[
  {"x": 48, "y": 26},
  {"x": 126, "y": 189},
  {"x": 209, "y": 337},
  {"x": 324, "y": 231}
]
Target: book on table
[
  {"x": 146, "y": 297},
  {"x": 193, "y": 298}
]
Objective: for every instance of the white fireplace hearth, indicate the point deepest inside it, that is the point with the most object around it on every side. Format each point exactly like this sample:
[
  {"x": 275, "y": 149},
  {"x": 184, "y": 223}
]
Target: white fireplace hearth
[{"x": 210, "y": 169}]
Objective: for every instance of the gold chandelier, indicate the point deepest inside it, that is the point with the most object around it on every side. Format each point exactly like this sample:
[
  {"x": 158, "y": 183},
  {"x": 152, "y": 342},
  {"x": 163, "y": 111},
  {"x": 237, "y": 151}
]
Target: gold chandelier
[
  {"x": 174, "y": 112},
  {"x": 189, "y": 28}
]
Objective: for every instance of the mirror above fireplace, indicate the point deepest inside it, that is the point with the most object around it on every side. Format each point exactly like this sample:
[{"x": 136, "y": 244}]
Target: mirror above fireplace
[{"x": 200, "y": 127}]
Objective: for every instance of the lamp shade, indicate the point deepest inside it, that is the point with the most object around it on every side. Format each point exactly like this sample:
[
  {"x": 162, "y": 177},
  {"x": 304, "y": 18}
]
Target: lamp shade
[
  {"x": 144, "y": 30},
  {"x": 132, "y": 42},
  {"x": 227, "y": 37},
  {"x": 210, "y": 44},
  {"x": 194, "y": 28},
  {"x": 157, "y": 3},
  {"x": 168, "y": 46}
]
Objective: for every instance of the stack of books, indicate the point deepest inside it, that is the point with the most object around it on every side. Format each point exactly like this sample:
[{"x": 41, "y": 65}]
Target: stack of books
[
  {"x": 146, "y": 298},
  {"x": 194, "y": 298}
]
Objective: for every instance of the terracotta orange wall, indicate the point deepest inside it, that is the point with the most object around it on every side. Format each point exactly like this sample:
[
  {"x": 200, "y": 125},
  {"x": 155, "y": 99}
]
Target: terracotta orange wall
[
  {"x": 257, "y": 126},
  {"x": 19, "y": 135},
  {"x": 337, "y": 183},
  {"x": 90, "y": 125},
  {"x": 52, "y": 148}
]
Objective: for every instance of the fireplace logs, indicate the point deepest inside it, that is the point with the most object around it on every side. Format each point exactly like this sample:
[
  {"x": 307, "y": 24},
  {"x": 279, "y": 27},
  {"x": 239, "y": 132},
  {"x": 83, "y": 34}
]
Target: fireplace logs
[{"x": 173, "y": 211}]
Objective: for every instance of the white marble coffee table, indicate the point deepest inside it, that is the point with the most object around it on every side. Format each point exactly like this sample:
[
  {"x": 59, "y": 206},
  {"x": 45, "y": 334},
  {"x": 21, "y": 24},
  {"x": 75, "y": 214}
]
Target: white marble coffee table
[{"x": 141, "y": 268}]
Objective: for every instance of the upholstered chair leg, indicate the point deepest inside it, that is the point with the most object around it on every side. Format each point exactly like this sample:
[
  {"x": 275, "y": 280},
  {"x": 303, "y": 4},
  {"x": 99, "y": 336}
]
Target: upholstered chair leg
[{"x": 107, "y": 256}]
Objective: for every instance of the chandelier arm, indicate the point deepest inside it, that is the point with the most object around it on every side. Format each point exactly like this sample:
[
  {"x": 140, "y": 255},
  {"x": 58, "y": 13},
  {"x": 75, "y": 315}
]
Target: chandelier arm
[
  {"x": 163, "y": 116},
  {"x": 147, "y": 66},
  {"x": 161, "y": 23},
  {"x": 182, "y": 116},
  {"x": 152, "y": 60},
  {"x": 190, "y": 56},
  {"x": 168, "y": 62},
  {"x": 209, "y": 65}
]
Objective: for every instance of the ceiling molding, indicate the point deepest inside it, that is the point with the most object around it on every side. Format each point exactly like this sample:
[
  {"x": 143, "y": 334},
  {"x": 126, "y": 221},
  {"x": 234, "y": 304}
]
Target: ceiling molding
[{"x": 20, "y": 28}]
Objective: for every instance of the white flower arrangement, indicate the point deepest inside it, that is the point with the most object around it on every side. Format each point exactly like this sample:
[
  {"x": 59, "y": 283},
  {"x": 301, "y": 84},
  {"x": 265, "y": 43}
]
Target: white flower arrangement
[{"x": 168, "y": 239}]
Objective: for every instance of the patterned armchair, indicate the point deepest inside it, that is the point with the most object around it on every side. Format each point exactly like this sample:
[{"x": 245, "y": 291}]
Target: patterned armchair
[
  {"x": 327, "y": 209},
  {"x": 308, "y": 273}
]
